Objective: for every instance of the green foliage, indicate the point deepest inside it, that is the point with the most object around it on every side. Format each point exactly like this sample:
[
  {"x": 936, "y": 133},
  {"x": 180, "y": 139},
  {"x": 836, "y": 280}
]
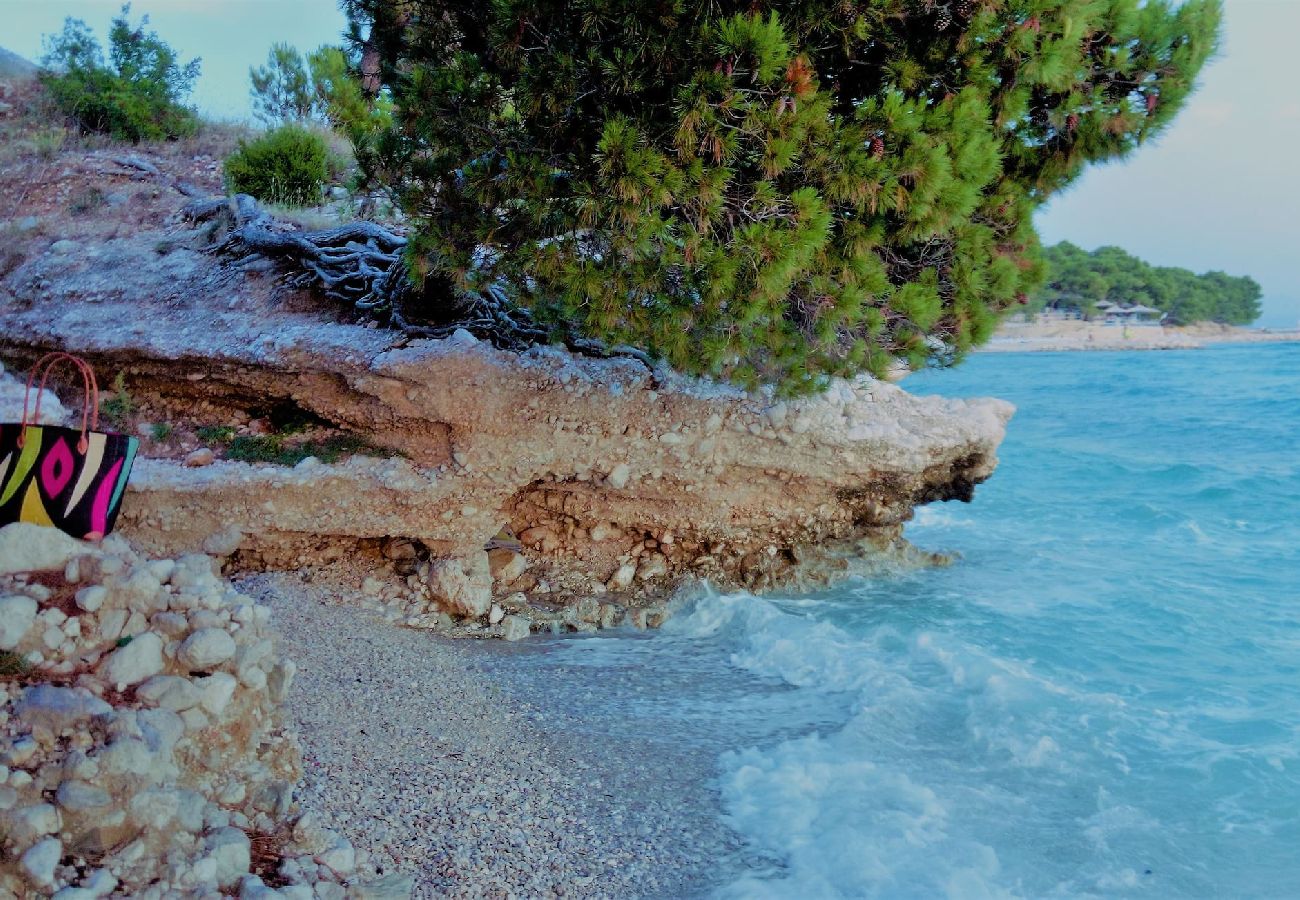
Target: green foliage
[
  {"x": 286, "y": 165},
  {"x": 120, "y": 405},
  {"x": 778, "y": 191},
  {"x": 1080, "y": 280},
  {"x": 323, "y": 87},
  {"x": 281, "y": 450},
  {"x": 288, "y": 445},
  {"x": 134, "y": 95},
  {"x": 282, "y": 90},
  {"x": 162, "y": 431},
  {"x": 215, "y": 434}
]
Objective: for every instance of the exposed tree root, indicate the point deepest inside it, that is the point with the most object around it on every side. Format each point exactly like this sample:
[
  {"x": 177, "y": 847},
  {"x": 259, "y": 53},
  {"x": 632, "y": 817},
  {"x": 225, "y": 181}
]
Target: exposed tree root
[{"x": 361, "y": 265}]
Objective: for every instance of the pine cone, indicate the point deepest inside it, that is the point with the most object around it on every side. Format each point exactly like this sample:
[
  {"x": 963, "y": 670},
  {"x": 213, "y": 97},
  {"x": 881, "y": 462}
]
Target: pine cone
[
  {"x": 944, "y": 19},
  {"x": 1072, "y": 121},
  {"x": 877, "y": 148},
  {"x": 965, "y": 8}
]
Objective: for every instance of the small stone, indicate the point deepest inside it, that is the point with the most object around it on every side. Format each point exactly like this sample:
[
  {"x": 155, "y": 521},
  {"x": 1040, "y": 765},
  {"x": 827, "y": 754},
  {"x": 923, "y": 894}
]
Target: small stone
[
  {"x": 279, "y": 679},
  {"x": 605, "y": 531},
  {"x": 653, "y": 565},
  {"x": 17, "y": 615},
  {"x": 232, "y": 851},
  {"x": 496, "y": 614},
  {"x": 39, "y": 861},
  {"x": 340, "y": 858},
  {"x": 622, "y": 578},
  {"x": 393, "y": 886},
  {"x": 100, "y": 883},
  {"x": 58, "y": 708},
  {"x": 253, "y": 888},
  {"x": 618, "y": 476},
  {"x": 170, "y": 692},
  {"x": 79, "y": 796},
  {"x": 90, "y": 599},
  {"x": 201, "y": 457},
  {"x": 111, "y": 624},
  {"x": 515, "y": 628},
  {"x": 135, "y": 662},
  {"x": 206, "y": 648},
  {"x": 225, "y": 542},
  {"x": 506, "y": 565},
  {"x": 63, "y": 246},
  {"x": 218, "y": 689},
  {"x": 32, "y": 822}
]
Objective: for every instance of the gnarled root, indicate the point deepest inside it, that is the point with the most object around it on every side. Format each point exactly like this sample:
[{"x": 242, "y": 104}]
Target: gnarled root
[{"x": 361, "y": 264}]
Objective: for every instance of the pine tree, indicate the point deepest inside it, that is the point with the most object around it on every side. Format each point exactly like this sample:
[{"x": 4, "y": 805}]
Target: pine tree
[{"x": 762, "y": 191}]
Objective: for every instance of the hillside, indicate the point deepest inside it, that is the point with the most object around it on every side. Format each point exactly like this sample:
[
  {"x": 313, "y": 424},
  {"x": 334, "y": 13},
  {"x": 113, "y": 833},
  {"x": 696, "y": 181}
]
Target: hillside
[{"x": 13, "y": 66}]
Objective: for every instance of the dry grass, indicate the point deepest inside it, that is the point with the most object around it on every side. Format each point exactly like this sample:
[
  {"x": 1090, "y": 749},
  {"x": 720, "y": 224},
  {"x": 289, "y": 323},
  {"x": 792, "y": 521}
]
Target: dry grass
[{"x": 267, "y": 855}]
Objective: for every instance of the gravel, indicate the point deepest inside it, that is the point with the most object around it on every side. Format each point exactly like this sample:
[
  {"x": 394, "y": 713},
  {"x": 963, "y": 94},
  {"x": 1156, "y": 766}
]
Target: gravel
[{"x": 460, "y": 764}]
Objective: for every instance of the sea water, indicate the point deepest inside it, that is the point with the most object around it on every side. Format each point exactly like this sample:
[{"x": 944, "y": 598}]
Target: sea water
[{"x": 1100, "y": 698}]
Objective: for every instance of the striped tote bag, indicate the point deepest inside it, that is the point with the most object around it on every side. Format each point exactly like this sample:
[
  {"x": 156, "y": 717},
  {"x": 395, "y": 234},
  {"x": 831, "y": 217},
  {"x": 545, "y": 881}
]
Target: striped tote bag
[{"x": 67, "y": 478}]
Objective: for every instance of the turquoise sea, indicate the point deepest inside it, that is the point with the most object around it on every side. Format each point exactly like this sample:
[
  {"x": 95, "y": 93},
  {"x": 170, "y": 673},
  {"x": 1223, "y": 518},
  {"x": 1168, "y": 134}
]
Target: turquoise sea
[{"x": 1101, "y": 698}]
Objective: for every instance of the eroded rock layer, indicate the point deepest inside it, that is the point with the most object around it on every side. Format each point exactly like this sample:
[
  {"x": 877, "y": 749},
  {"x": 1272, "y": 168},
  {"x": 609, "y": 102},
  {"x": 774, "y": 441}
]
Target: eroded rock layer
[{"x": 615, "y": 479}]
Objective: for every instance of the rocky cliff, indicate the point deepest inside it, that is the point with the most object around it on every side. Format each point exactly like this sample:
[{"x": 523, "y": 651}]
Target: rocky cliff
[{"x": 616, "y": 480}]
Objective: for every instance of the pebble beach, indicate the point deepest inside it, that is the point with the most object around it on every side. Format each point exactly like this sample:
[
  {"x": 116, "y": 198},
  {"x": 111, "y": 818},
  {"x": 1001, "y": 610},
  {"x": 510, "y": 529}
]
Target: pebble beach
[{"x": 471, "y": 769}]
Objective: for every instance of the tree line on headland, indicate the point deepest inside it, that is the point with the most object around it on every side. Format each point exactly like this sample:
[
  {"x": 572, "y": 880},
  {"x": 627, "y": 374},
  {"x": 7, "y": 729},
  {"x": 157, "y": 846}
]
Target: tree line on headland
[{"x": 1079, "y": 280}]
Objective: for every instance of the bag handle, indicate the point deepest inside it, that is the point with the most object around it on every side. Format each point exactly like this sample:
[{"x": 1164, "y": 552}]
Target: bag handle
[{"x": 89, "y": 408}]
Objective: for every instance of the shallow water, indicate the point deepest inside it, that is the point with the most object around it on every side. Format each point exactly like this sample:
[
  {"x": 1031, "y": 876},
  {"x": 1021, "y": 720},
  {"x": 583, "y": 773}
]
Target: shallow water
[{"x": 1101, "y": 698}]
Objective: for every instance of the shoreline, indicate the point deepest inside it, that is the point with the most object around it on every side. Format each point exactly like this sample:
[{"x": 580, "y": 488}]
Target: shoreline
[
  {"x": 1072, "y": 336},
  {"x": 463, "y": 765}
]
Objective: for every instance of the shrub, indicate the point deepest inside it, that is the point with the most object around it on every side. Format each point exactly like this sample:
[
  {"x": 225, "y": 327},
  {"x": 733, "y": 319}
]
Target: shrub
[
  {"x": 287, "y": 165},
  {"x": 135, "y": 95},
  {"x": 776, "y": 191}
]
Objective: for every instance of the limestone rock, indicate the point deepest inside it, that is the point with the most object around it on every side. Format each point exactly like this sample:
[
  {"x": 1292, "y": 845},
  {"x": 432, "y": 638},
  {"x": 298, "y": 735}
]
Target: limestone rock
[
  {"x": 206, "y": 648},
  {"x": 17, "y": 615},
  {"x": 58, "y": 708},
  {"x": 200, "y": 457},
  {"x": 135, "y": 662},
  {"x": 506, "y": 565},
  {"x": 39, "y": 861},
  {"x": 618, "y": 476},
  {"x": 232, "y": 851},
  {"x": 218, "y": 689},
  {"x": 463, "y": 587},
  {"x": 654, "y": 565},
  {"x": 90, "y": 599},
  {"x": 224, "y": 542},
  {"x": 515, "y": 628},
  {"x": 34, "y": 548},
  {"x": 172, "y": 692},
  {"x": 393, "y": 886},
  {"x": 622, "y": 577},
  {"x": 80, "y": 796}
]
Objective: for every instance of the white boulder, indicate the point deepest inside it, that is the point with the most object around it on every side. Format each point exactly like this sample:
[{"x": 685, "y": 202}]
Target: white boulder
[
  {"x": 134, "y": 662},
  {"x": 17, "y": 615},
  {"x": 35, "y": 548}
]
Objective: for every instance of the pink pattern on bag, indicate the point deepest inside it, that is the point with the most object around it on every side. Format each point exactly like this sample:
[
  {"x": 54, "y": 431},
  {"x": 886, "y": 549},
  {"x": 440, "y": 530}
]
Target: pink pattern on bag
[
  {"x": 56, "y": 470},
  {"x": 99, "y": 512}
]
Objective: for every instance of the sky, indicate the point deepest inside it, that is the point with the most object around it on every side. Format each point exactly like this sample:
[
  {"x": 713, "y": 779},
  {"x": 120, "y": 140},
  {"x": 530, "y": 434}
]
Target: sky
[{"x": 1219, "y": 190}]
